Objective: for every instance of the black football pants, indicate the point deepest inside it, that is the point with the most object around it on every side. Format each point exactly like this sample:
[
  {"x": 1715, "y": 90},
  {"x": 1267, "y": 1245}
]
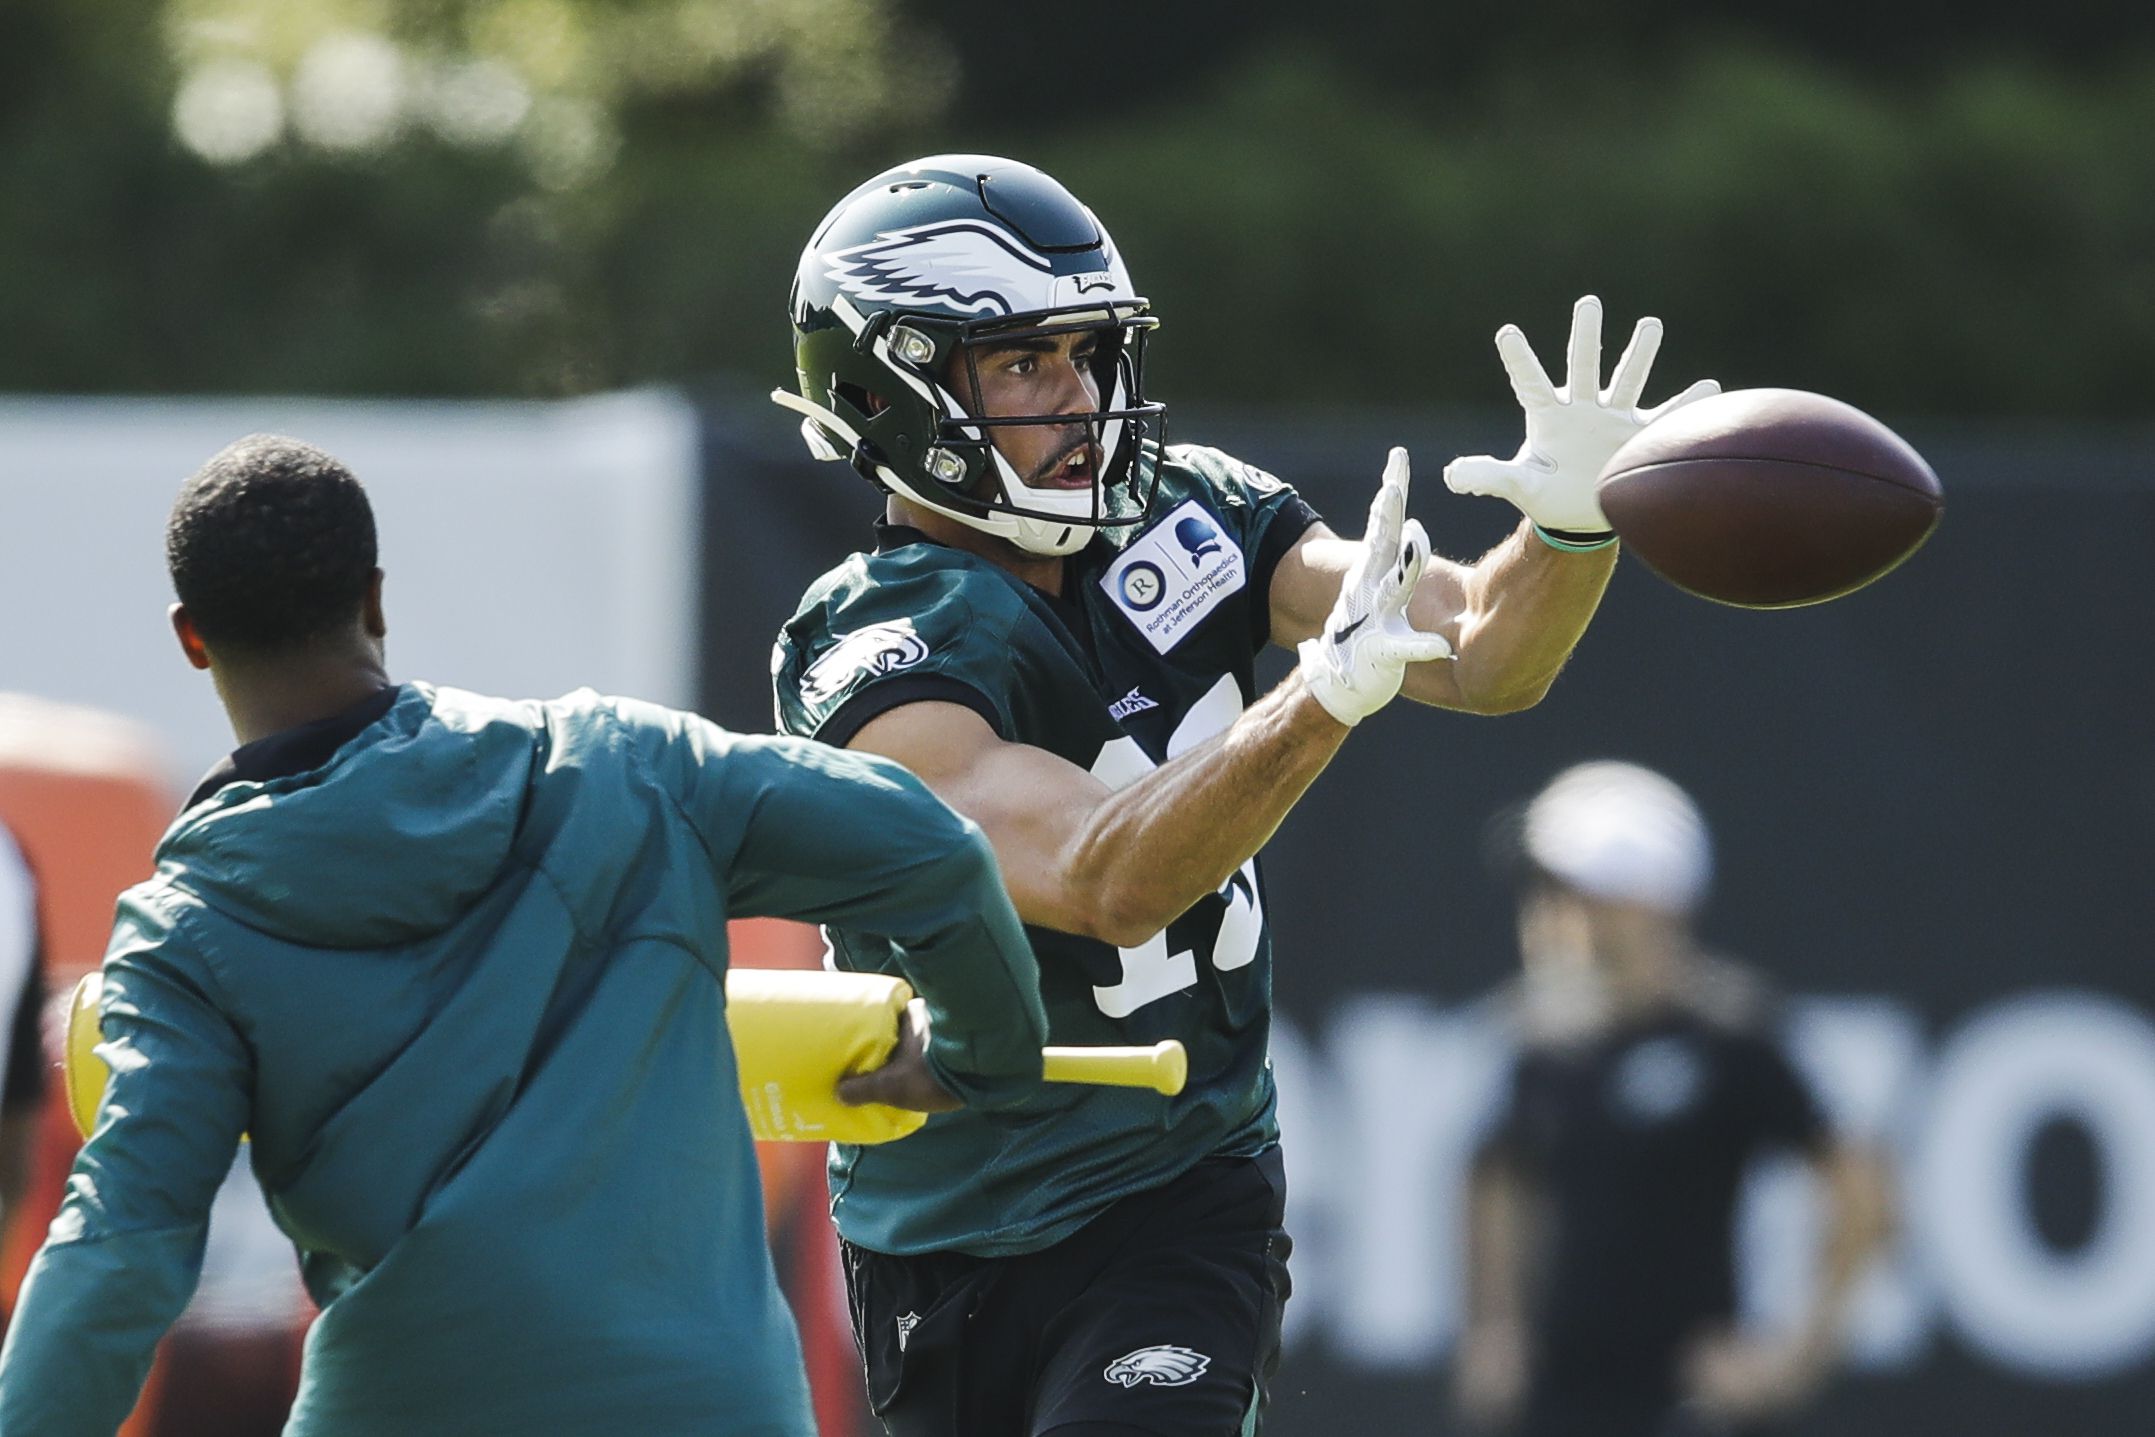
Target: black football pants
[{"x": 1161, "y": 1315}]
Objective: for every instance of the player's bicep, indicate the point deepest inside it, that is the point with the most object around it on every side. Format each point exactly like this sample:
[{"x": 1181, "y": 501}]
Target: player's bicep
[
  {"x": 1307, "y": 582},
  {"x": 1032, "y": 805}
]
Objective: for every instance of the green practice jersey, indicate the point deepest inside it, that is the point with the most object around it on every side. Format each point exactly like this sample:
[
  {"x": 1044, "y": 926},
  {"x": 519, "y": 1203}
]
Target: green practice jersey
[{"x": 1149, "y": 651}]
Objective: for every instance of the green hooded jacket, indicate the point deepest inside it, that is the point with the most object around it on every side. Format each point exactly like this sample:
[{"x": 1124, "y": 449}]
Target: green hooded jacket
[{"x": 463, "y": 984}]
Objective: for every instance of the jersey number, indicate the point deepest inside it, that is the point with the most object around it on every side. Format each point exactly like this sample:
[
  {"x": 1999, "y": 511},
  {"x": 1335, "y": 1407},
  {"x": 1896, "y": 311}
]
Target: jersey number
[{"x": 1149, "y": 971}]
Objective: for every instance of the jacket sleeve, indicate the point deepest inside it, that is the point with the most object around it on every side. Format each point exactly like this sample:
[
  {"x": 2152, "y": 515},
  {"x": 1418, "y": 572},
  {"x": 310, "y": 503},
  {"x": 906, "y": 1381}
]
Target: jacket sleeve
[
  {"x": 802, "y": 830},
  {"x": 121, "y": 1260}
]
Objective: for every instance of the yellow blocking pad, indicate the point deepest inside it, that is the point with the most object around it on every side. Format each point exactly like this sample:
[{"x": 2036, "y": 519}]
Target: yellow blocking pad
[
  {"x": 83, "y": 1072},
  {"x": 795, "y": 1034}
]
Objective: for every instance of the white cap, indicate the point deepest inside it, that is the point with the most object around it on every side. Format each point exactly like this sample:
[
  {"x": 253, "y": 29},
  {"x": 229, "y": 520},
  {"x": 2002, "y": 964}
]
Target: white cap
[{"x": 1620, "y": 833}]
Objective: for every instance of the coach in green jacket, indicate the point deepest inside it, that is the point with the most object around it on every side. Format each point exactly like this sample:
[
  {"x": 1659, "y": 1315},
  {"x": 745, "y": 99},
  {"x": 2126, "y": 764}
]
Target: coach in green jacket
[{"x": 456, "y": 963}]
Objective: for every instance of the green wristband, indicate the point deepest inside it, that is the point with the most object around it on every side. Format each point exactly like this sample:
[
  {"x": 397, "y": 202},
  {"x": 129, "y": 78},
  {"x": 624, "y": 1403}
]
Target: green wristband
[{"x": 1576, "y": 541}]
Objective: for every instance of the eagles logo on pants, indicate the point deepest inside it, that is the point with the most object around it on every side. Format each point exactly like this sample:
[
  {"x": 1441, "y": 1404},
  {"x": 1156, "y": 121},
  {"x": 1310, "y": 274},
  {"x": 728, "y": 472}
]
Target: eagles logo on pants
[{"x": 961, "y": 1346}]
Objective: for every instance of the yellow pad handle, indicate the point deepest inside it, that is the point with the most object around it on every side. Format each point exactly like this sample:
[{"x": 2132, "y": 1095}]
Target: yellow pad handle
[
  {"x": 1164, "y": 1067},
  {"x": 795, "y": 1034}
]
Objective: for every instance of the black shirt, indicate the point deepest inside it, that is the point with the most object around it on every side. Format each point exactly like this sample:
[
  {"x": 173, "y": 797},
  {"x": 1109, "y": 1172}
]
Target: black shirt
[
  {"x": 296, "y": 749},
  {"x": 1638, "y": 1141},
  {"x": 23, "y": 1086}
]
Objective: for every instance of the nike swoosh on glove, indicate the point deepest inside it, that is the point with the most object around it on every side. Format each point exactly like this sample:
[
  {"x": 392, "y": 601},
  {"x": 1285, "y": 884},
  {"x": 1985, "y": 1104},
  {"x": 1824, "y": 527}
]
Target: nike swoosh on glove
[{"x": 1356, "y": 666}]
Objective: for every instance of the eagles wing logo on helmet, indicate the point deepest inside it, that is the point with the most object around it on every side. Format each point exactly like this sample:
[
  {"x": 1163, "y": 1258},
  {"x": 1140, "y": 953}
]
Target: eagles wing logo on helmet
[
  {"x": 960, "y": 265},
  {"x": 878, "y": 649},
  {"x": 1162, "y": 1366}
]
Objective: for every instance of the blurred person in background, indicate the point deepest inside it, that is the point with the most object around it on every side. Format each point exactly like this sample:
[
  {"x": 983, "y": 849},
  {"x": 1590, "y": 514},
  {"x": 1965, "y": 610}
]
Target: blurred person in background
[
  {"x": 456, "y": 964},
  {"x": 1602, "y": 1298},
  {"x": 1058, "y": 630},
  {"x": 23, "y": 1076}
]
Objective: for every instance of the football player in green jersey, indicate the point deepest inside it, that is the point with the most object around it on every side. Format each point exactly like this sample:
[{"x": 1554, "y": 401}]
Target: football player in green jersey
[{"x": 1057, "y": 631}]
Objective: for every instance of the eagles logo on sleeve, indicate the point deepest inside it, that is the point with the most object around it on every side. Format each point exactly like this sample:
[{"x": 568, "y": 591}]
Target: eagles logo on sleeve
[
  {"x": 1164, "y": 1366},
  {"x": 881, "y": 648}
]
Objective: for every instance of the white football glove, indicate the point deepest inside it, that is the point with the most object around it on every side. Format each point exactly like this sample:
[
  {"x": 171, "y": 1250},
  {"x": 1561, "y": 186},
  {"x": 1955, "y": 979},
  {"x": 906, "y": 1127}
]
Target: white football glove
[
  {"x": 1571, "y": 433},
  {"x": 1356, "y": 666}
]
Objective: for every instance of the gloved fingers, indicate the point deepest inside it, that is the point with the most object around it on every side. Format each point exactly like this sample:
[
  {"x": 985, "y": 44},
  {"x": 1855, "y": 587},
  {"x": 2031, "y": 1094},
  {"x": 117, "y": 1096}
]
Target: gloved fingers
[
  {"x": 1387, "y": 511},
  {"x": 1701, "y": 390},
  {"x": 1628, "y": 384},
  {"x": 1583, "y": 378},
  {"x": 1529, "y": 381},
  {"x": 1482, "y": 474},
  {"x": 1398, "y": 472}
]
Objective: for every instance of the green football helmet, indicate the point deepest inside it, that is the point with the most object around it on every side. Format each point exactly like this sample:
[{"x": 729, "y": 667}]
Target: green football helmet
[{"x": 912, "y": 271}]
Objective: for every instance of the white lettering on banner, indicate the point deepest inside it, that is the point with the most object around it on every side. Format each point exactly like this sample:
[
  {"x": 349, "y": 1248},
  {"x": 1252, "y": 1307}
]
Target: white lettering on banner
[
  {"x": 1862, "y": 1057},
  {"x": 1312, "y": 1110},
  {"x": 1380, "y": 1118},
  {"x": 1437, "y": 1071},
  {"x": 2082, "y": 1314}
]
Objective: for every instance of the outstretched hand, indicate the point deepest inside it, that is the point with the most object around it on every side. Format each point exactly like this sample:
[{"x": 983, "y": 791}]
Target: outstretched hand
[
  {"x": 904, "y": 1080},
  {"x": 1572, "y": 432},
  {"x": 1731, "y": 1377},
  {"x": 1356, "y": 665}
]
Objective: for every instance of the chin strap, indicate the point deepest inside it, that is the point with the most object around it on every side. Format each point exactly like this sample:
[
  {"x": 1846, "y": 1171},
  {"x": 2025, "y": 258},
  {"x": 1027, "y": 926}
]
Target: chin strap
[{"x": 1050, "y": 540}]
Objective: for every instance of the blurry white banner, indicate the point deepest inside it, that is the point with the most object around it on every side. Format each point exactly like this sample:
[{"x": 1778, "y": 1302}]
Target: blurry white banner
[
  {"x": 530, "y": 547},
  {"x": 1381, "y": 1107}
]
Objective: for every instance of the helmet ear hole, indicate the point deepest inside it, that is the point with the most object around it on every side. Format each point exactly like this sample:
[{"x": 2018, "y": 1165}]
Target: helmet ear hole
[{"x": 864, "y": 403}]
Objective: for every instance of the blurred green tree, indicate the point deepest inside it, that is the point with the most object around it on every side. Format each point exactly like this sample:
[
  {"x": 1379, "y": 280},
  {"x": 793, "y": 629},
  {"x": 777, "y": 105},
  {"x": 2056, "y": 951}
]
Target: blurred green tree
[{"x": 551, "y": 196}]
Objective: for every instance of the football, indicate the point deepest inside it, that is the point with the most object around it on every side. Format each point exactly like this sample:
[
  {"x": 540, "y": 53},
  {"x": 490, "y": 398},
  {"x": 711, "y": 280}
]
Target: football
[{"x": 1770, "y": 498}]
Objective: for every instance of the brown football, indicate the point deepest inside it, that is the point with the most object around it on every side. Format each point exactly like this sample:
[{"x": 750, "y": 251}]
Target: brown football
[{"x": 1770, "y": 498}]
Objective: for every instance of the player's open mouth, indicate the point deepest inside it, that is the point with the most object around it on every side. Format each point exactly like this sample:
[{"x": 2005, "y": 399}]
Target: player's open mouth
[{"x": 1074, "y": 470}]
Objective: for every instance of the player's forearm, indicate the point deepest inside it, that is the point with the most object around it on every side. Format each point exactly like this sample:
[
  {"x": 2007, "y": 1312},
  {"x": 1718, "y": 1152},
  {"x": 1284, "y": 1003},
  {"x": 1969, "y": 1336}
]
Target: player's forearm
[
  {"x": 1858, "y": 1220},
  {"x": 87, "y": 1325},
  {"x": 854, "y": 839},
  {"x": 1151, "y": 849},
  {"x": 981, "y": 985},
  {"x": 1527, "y": 606},
  {"x": 1496, "y": 1246}
]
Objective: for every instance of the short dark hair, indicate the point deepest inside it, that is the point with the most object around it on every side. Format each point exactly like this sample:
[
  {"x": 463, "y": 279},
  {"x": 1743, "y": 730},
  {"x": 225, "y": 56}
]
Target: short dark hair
[{"x": 271, "y": 544}]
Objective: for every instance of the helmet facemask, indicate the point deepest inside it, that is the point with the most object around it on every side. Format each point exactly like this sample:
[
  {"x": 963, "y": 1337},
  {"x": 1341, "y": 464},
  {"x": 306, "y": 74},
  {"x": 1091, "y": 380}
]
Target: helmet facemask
[{"x": 969, "y": 476}]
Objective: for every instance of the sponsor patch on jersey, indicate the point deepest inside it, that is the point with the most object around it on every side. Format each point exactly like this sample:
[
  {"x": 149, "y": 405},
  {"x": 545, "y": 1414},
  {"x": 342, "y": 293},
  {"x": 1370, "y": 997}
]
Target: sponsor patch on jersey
[
  {"x": 881, "y": 648},
  {"x": 1163, "y": 1366},
  {"x": 1178, "y": 571}
]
